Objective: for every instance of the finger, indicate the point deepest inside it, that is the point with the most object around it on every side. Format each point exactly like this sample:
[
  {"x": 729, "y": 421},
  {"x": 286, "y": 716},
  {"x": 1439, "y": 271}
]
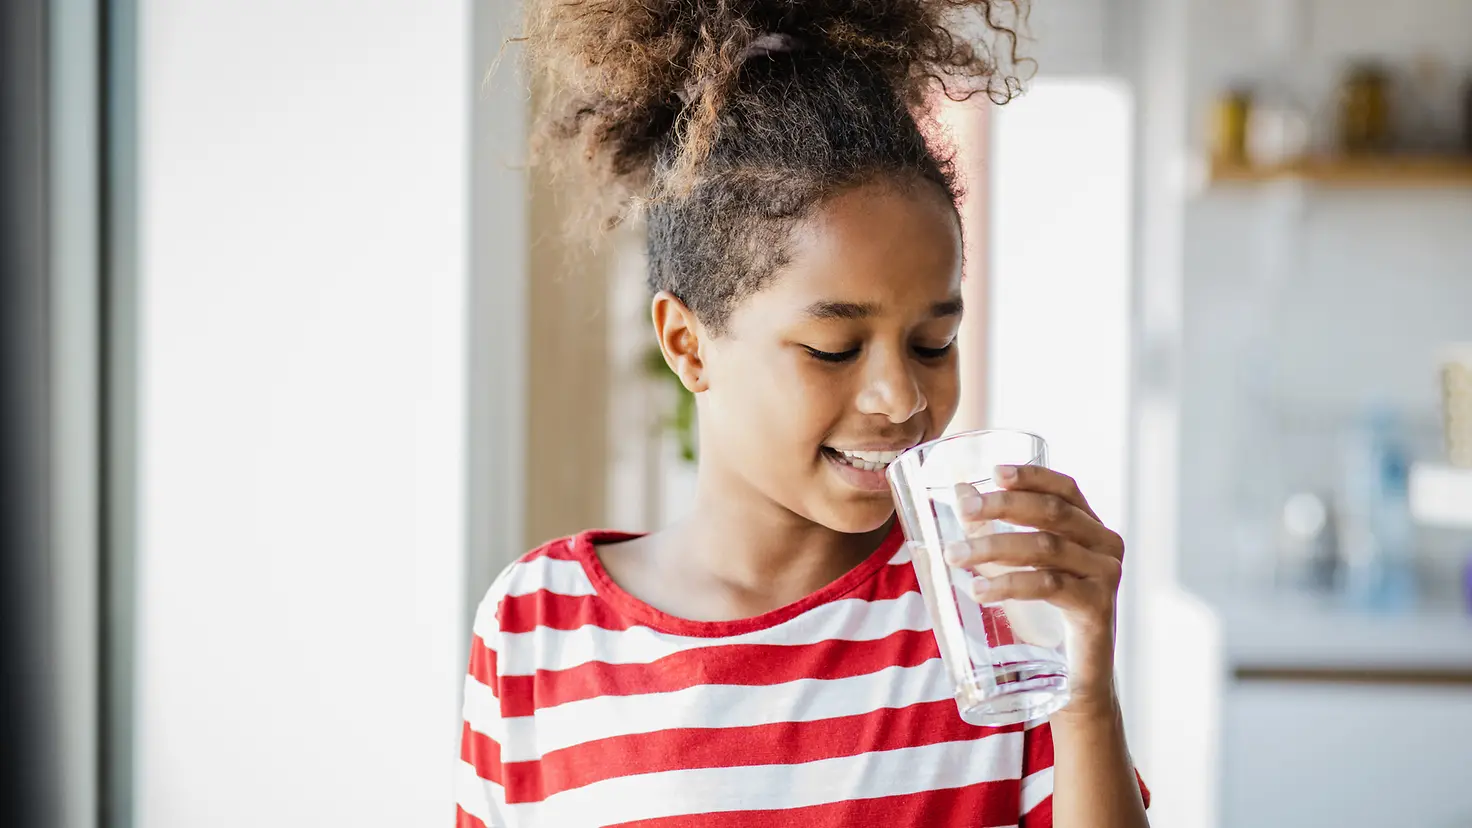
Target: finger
[
  {"x": 1048, "y": 512},
  {"x": 1041, "y": 550},
  {"x": 1046, "y": 480},
  {"x": 1052, "y": 586}
]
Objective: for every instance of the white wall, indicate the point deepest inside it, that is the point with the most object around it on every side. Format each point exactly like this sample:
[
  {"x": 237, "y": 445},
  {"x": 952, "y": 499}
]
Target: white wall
[
  {"x": 1068, "y": 37},
  {"x": 1263, "y": 318},
  {"x": 1301, "y": 307},
  {"x": 1058, "y": 310},
  {"x": 1280, "y": 365},
  {"x": 303, "y": 177},
  {"x": 1058, "y": 315}
]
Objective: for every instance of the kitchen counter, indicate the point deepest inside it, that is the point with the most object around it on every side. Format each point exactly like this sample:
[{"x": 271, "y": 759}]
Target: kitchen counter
[
  {"x": 1318, "y": 710},
  {"x": 1286, "y": 632}
]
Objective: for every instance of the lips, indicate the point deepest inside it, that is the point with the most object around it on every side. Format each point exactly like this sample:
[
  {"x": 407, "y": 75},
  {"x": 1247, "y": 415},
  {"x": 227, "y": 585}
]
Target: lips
[
  {"x": 870, "y": 461},
  {"x": 871, "y": 457},
  {"x": 864, "y": 475}
]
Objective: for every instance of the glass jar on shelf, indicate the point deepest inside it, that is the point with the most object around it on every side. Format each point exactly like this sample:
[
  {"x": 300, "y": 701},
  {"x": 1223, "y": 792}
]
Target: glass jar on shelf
[
  {"x": 1467, "y": 115},
  {"x": 1277, "y": 126},
  {"x": 1230, "y": 115},
  {"x": 1364, "y": 109}
]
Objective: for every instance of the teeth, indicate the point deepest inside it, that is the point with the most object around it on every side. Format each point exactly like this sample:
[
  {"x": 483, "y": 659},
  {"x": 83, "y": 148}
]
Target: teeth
[{"x": 873, "y": 461}]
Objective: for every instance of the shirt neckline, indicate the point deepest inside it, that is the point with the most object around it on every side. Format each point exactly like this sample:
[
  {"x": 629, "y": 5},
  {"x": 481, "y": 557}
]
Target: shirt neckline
[{"x": 584, "y": 549}]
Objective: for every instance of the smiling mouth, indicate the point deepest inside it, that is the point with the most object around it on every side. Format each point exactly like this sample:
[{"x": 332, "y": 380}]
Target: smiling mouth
[{"x": 869, "y": 461}]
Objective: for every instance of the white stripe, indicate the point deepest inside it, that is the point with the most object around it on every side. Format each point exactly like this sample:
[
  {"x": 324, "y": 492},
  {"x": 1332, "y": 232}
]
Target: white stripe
[
  {"x": 526, "y": 577},
  {"x": 482, "y": 712},
  {"x": 1035, "y": 788},
  {"x": 761, "y": 787},
  {"x": 486, "y": 627},
  {"x": 561, "y": 577},
  {"x": 484, "y": 624},
  {"x": 526, "y": 738},
  {"x": 552, "y": 574},
  {"x": 523, "y": 654},
  {"x": 480, "y": 798}
]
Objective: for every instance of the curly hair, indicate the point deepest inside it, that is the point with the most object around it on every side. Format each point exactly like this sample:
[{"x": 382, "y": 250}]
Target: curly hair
[{"x": 727, "y": 121}]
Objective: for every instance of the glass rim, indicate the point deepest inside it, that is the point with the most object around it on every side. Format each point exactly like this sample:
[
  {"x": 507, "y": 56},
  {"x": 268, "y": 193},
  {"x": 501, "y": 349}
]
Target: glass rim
[{"x": 920, "y": 448}]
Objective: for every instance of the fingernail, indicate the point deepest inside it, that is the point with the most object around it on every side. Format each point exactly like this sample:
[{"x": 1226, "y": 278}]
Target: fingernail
[
  {"x": 979, "y": 587},
  {"x": 1006, "y": 474},
  {"x": 955, "y": 553}
]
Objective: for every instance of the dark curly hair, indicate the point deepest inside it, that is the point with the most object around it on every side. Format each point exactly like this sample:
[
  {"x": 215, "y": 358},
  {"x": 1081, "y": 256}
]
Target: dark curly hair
[{"x": 727, "y": 121}]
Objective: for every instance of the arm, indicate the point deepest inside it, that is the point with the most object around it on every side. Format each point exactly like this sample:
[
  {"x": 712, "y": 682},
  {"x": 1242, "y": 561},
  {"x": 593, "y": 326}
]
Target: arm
[
  {"x": 480, "y": 797},
  {"x": 1083, "y": 776},
  {"x": 1094, "y": 781}
]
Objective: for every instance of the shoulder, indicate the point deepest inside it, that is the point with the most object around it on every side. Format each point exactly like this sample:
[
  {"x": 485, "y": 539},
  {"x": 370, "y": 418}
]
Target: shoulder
[{"x": 558, "y": 568}]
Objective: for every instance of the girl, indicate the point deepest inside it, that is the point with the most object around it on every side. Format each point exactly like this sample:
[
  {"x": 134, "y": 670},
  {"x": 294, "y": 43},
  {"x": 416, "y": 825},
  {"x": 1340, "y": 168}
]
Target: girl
[{"x": 768, "y": 661}]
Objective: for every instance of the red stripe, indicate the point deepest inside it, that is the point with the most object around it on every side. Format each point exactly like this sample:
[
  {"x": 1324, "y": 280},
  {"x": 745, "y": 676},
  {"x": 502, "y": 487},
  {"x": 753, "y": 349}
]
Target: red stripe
[
  {"x": 719, "y": 664},
  {"x": 778, "y": 743},
  {"x": 524, "y": 613},
  {"x": 465, "y": 820},
  {"x": 541, "y": 608},
  {"x": 982, "y": 804},
  {"x": 481, "y": 751},
  {"x": 482, "y": 662},
  {"x": 576, "y": 547},
  {"x": 562, "y": 549},
  {"x": 1037, "y": 750},
  {"x": 998, "y": 628}
]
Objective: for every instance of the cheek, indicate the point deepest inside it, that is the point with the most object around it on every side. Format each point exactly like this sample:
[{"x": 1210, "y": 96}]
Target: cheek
[
  {"x": 943, "y": 394},
  {"x": 801, "y": 403},
  {"x": 780, "y": 407}
]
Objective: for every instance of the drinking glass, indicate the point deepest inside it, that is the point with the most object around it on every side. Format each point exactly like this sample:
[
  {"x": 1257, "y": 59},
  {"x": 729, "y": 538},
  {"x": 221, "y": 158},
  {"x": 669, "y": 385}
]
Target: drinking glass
[{"x": 1007, "y": 659}]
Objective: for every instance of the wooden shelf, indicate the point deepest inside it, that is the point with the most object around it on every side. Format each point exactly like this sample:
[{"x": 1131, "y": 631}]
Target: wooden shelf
[
  {"x": 1441, "y": 495},
  {"x": 1352, "y": 171}
]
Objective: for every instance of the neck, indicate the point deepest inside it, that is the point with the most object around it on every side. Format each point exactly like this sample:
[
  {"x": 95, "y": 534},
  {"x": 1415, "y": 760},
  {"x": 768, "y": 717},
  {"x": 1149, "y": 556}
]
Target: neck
[{"x": 748, "y": 542}]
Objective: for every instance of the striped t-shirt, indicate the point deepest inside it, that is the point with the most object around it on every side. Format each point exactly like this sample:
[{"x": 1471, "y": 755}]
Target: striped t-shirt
[{"x": 585, "y": 706}]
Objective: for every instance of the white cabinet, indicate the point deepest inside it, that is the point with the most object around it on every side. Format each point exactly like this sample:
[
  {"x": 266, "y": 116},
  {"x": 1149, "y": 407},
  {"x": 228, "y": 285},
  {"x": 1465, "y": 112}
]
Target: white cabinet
[
  {"x": 1306, "y": 754},
  {"x": 1271, "y": 712}
]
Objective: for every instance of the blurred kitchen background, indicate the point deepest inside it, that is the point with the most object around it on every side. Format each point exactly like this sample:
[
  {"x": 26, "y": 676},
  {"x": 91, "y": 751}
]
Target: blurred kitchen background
[{"x": 295, "y": 360}]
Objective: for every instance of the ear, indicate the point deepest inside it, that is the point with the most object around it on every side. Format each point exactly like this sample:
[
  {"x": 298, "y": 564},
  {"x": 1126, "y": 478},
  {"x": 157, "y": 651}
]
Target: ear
[{"x": 680, "y": 336}]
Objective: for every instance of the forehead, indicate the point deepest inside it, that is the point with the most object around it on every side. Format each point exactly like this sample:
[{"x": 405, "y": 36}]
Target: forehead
[{"x": 894, "y": 248}]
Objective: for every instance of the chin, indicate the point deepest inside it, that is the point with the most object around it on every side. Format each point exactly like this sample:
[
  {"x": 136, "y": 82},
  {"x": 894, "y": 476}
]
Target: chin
[{"x": 858, "y": 517}]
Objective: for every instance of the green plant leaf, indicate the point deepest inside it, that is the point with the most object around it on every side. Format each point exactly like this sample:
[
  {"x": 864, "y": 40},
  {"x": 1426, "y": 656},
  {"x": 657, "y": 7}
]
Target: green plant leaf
[{"x": 680, "y": 421}]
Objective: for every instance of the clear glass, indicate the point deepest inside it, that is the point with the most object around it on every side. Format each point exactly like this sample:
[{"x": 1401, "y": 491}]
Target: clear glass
[{"x": 1008, "y": 660}]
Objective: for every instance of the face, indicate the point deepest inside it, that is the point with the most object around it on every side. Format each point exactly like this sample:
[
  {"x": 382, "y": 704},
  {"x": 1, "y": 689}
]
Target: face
[{"x": 844, "y": 359}]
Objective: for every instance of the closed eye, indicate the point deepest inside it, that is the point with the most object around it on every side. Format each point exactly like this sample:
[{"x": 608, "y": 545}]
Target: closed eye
[
  {"x": 833, "y": 356},
  {"x": 934, "y": 353}
]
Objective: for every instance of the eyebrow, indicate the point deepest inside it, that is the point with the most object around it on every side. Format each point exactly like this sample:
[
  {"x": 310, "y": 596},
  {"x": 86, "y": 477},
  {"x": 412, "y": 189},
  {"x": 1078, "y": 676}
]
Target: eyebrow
[{"x": 864, "y": 310}]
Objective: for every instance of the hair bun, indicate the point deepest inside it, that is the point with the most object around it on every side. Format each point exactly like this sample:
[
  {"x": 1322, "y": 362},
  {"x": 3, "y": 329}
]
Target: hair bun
[
  {"x": 626, "y": 77},
  {"x": 762, "y": 46}
]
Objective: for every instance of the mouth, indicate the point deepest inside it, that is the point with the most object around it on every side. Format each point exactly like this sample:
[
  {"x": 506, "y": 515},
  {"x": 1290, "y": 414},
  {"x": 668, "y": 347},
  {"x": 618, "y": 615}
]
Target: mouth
[
  {"x": 864, "y": 468},
  {"x": 869, "y": 461}
]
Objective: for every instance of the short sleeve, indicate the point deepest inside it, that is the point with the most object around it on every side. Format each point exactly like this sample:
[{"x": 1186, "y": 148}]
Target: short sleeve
[
  {"x": 480, "y": 798},
  {"x": 1037, "y": 777}
]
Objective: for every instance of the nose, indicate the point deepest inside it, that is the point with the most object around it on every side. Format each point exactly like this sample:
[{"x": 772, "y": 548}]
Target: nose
[{"x": 891, "y": 388}]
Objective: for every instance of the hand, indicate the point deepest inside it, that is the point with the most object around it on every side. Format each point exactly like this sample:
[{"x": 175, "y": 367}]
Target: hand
[{"x": 1074, "y": 561}]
